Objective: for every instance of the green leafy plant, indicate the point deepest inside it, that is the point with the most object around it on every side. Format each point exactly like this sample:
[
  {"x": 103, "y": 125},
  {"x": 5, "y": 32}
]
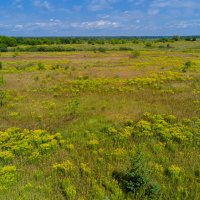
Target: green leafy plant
[
  {"x": 3, "y": 97},
  {"x": 135, "y": 54},
  {"x": 1, "y": 65},
  {"x": 102, "y": 50},
  {"x": 8, "y": 176},
  {"x": 137, "y": 179},
  {"x": 186, "y": 66},
  {"x": 68, "y": 190},
  {"x": 175, "y": 172},
  {"x": 41, "y": 66},
  {"x": 73, "y": 107}
]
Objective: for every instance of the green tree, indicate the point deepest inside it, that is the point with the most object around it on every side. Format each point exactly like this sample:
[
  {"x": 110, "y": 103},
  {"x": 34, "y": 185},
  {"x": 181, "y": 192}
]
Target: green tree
[
  {"x": 137, "y": 179},
  {"x": 176, "y": 38}
]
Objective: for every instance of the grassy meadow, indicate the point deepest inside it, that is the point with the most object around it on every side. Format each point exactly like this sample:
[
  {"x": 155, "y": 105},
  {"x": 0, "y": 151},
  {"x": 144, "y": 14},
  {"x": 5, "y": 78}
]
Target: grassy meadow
[{"x": 103, "y": 122}]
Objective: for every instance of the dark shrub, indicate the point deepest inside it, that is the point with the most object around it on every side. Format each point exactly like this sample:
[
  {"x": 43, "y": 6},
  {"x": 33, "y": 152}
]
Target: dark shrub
[{"x": 137, "y": 180}]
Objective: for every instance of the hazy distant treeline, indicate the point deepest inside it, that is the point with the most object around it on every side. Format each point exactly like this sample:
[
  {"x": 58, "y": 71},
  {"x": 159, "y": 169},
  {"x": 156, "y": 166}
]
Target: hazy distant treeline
[{"x": 6, "y": 42}]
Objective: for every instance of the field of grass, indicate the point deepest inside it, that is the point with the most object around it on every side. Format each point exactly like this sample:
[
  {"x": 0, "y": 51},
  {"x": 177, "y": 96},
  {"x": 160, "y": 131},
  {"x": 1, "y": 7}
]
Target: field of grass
[{"x": 101, "y": 125}]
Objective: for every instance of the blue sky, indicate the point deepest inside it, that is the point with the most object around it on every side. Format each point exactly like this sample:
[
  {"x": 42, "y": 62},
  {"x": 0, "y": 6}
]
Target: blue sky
[{"x": 99, "y": 17}]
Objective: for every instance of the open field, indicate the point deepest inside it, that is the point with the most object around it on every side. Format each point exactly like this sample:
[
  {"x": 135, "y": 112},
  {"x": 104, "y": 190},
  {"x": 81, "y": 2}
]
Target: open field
[{"x": 101, "y": 125}]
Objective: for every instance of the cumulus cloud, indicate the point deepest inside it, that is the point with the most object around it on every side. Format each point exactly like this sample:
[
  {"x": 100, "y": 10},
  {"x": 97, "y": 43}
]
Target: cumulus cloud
[
  {"x": 55, "y": 24},
  {"x": 99, "y": 24},
  {"x": 46, "y": 25},
  {"x": 127, "y": 17}
]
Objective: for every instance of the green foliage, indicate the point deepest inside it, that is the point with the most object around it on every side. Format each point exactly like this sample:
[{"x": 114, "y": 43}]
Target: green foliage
[
  {"x": 163, "y": 127},
  {"x": 8, "y": 41},
  {"x": 176, "y": 38},
  {"x": 148, "y": 44},
  {"x": 8, "y": 177},
  {"x": 135, "y": 54},
  {"x": 186, "y": 66},
  {"x": 102, "y": 50},
  {"x": 97, "y": 104},
  {"x": 164, "y": 40},
  {"x": 137, "y": 180},
  {"x": 125, "y": 48},
  {"x": 175, "y": 173},
  {"x": 73, "y": 107},
  {"x": 191, "y": 39},
  {"x": 166, "y": 128},
  {"x": 15, "y": 54},
  {"x": 1, "y": 65},
  {"x": 3, "y": 48},
  {"x": 6, "y": 156},
  {"x": 68, "y": 190},
  {"x": 113, "y": 186},
  {"x": 18, "y": 142},
  {"x": 156, "y": 80},
  {"x": 85, "y": 170},
  {"x": 97, "y": 191},
  {"x": 169, "y": 46},
  {"x": 64, "y": 167},
  {"x": 3, "y": 95},
  {"x": 135, "y": 41},
  {"x": 1, "y": 83},
  {"x": 41, "y": 66}
]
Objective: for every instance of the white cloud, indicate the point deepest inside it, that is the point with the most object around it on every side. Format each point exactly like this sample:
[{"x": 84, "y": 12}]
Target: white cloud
[
  {"x": 183, "y": 24},
  {"x": 125, "y": 16},
  {"x": 153, "y": 11},
  {"x": 100, "y": 24},
  {"x": 137, "y": 21},
  {"x": 96, "y": 5},
  {"x": 42, "y": 4},
  {"x": 5, "y": 26},
  {"x": 54, "y": 20},
  {"x": 19, "y": 26},
  {"x": 137, "y": 2},
  {"x": 175, "y": 4},
  {"x": 47, "y": 25},
  {"x": 55, "y": 24}
]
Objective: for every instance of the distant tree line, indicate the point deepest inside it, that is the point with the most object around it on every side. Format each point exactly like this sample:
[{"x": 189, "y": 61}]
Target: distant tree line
[
  {"x": 178, "y": 38},
  {"x": 6, "y": 42}
]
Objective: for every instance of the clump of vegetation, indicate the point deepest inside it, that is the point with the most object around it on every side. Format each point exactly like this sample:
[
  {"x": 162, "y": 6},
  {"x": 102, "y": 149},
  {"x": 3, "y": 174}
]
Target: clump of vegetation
[
  {"x": 135, "y": 54},
  {"x": 148, "y": 45},
  {"x": 1, "y": 65},
  {"x": 8, "y": 177},
  {"x": 137, "y": 179},
  {"x": 191, "y": 39},
  {"x": 1, "y": 77},
  {"x": 64, "y": 167},
  {"x": 3, "y": 48},
  {"x": 73, "y": 108},
  {"x": 186, "y": 66},
  {"x": 175, "y": 173},
  {"x": 15, "y": 54},
  {"x": 3, "y": 95},
  {"x": 102, "y": 50},
  {"x": 176, "y": 38},
  {"x": 41, "y": 66},
  {"x": 68, "y": 190},
  {"x": 18, "y": 142}
]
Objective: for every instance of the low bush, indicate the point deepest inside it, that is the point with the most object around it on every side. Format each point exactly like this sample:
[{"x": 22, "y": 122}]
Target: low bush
[{"x": 137, "y": 179}]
